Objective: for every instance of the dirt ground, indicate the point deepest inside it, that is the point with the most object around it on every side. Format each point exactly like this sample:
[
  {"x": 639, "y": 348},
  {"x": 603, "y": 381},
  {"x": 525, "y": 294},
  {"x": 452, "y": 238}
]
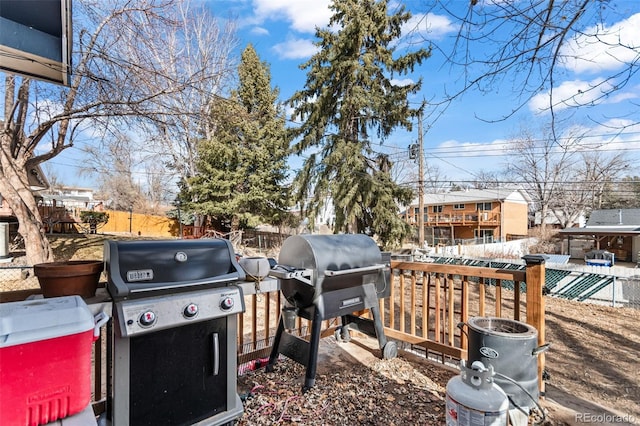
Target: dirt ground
[
  {"x": 594, "y": 355},
  {"x": 592, "y": 364}
]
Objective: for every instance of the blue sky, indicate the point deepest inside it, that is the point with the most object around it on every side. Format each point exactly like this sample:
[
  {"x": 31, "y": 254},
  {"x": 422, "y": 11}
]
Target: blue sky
[{"x": 461, "y": 142}]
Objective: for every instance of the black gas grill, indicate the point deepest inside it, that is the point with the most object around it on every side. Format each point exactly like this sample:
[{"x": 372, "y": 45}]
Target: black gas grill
[
  {"x": 324, "y": 277},
  {"x": 174, "y": 348}
]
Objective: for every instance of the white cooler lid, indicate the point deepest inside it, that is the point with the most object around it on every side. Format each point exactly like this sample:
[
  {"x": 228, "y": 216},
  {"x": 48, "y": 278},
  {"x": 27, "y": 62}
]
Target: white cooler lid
[{"x": 40, "y": 319}]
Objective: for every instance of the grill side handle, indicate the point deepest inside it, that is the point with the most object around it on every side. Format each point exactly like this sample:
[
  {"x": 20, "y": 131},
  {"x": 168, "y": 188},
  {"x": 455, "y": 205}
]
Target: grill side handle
[
  {"x": 288, "y": 273},
  {"x": 116, "y": 287},
  {"x": 354, "y": 270}
]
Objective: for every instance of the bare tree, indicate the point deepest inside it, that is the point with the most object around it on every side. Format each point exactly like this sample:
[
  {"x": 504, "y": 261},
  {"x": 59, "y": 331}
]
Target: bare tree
[
  {"x": 111, "y": 78},
  {"x": 197, "y": 48},
  {"x": 487, "y": 179},
  {"x": 543, "y": 165},
  {"x": 564, "y": 179},
  {"x": 624, "y": 194},
  {"x": 599, "y": 170},
  {"x": 570, "y": 200},
  {"x": 435, "y": 181},
  {"x": 592, "y": 174},
  {"x": 530, "y": 44},
  {"x": 114, "y": 160}
]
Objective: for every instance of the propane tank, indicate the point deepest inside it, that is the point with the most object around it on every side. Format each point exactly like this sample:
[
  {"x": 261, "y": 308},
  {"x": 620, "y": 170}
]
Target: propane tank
[{"x": 474, "y": 399}]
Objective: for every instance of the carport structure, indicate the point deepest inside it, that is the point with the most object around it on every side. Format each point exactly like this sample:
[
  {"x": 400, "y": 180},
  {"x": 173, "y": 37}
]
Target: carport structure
[{"x": 616, "y": 230}]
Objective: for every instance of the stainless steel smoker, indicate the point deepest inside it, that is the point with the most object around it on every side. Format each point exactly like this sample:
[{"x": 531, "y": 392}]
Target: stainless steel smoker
[{"x": 324, "y": 277}]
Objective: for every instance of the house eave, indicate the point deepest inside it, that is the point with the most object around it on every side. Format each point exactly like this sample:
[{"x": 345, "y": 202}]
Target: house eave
[{"x": 602, "y": 230}]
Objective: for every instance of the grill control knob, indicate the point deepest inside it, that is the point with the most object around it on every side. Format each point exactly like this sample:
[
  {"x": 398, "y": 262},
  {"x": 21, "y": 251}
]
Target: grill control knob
[
  {"x": 226, "y": 303},
  {"x": 190, "y": 311},
  {"x": 147, "y": 319}
]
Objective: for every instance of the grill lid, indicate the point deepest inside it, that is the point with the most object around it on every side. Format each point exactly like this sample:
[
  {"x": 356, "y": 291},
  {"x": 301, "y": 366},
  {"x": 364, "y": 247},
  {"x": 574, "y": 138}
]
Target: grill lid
[
  {"x": 331, "y": 271},
  {"x": 327, "y": 254},
  {"x": 137, "y": 267}
]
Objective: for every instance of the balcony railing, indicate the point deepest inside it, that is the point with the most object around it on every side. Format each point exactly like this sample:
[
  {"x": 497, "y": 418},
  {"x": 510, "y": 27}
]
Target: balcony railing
[{"x": 457, "y": 219}]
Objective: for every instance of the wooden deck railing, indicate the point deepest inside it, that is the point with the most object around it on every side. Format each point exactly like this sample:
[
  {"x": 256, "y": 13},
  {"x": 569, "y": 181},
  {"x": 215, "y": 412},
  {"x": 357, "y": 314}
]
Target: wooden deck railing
[{"x": 427, "y": 303}]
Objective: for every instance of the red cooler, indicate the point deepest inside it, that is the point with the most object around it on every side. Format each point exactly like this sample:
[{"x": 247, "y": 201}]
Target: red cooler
[{"x": 45, "y": 359}]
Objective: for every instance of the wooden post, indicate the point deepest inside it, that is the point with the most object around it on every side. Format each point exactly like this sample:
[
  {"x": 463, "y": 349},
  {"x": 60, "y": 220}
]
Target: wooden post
[
  {"x": 535, "y": 305},
  {"x": 412, "y": 318}
]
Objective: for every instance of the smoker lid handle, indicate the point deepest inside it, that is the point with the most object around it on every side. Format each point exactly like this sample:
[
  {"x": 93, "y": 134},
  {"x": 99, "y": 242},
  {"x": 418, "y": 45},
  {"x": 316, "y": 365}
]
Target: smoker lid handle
[
  {"x": 354, "y": 270},
  {"x": 287, "y": 272}
]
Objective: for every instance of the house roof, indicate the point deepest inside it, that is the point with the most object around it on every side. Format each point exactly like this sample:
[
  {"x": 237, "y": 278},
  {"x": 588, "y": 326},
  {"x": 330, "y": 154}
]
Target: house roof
[
  {"x": 600, "y": 230},
  {"x": 37, "y": 180},
  {"x": 615, "y": 217},
  {"x": 66, "y": 198},
  {"x": 475, "y": 196},
  {"x": 610, "y": 222}
]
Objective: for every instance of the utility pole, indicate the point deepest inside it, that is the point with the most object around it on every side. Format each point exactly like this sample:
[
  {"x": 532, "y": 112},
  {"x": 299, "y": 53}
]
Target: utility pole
[{"x": 420, "y": 183}]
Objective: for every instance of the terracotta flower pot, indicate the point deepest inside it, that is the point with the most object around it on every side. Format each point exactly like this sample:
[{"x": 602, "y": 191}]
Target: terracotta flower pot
[{"x": 67, "y": 278}]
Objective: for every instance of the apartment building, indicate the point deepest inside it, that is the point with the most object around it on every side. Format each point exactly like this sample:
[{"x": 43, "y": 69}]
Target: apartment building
[{"x": 483, "y": 215}]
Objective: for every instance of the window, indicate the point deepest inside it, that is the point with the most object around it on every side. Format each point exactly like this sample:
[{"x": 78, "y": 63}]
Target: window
[
  {"x": 437, "y": 209},
  {"x": 458, "y": 206},
  {"x": 483, "y": 206},
  {"x": 486, "y": 235}
]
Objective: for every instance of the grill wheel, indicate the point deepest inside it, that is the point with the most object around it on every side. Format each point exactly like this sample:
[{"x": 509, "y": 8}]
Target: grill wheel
[{"x": 342, "y": 334}]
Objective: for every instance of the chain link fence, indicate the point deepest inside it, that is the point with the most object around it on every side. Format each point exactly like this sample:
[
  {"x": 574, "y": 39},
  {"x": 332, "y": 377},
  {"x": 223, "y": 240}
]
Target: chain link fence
[
  {"x": 622, "y": 284},
  {"x": 626, "y": 291},
  {"x": 14, "y": 278}
]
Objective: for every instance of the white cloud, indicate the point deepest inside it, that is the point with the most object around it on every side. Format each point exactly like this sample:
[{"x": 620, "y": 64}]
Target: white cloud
[
  {"x": 304, "y": 15},
  {"x": 295, "y": 48},
  {"x": 602, "y": 48},
  {"x": 428, "y": 26},
  {"x": 571, "y": 94},
  {"x": 259, "y": 31},
  {"x": 623, "y": 96},
  {"x": 495, "y": 148},
  {"x": 403, "y": 82}
]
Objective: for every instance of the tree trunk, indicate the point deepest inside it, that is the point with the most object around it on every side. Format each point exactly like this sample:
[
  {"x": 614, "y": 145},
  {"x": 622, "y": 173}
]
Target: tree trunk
[
  {"x": 14, "y": 187},
  {"x": 235, "y": 223},
  {"x": 543, "y": 219}
]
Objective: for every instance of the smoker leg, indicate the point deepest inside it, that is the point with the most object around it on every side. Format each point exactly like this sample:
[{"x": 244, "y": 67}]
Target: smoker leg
[
  {"x": 276, "y": 347},
  {"x": 389, "y": 349},
  {"x": 377, "y": 324},
  {"x": 342, "y": 333},
  {"x": 314, "y": 344}
]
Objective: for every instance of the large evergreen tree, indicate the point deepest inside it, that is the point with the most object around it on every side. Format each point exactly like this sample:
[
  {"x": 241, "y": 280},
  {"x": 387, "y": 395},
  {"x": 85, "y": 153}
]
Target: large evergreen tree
[
  {"x": 242, "y": 169},
  {"x": 348, "y": 97}
]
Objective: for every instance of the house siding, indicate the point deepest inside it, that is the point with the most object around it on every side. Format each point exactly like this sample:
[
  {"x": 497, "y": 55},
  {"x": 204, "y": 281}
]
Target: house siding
[
  {"x": 465, "y": 216},
  {"x": 515, "y": 218}
]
